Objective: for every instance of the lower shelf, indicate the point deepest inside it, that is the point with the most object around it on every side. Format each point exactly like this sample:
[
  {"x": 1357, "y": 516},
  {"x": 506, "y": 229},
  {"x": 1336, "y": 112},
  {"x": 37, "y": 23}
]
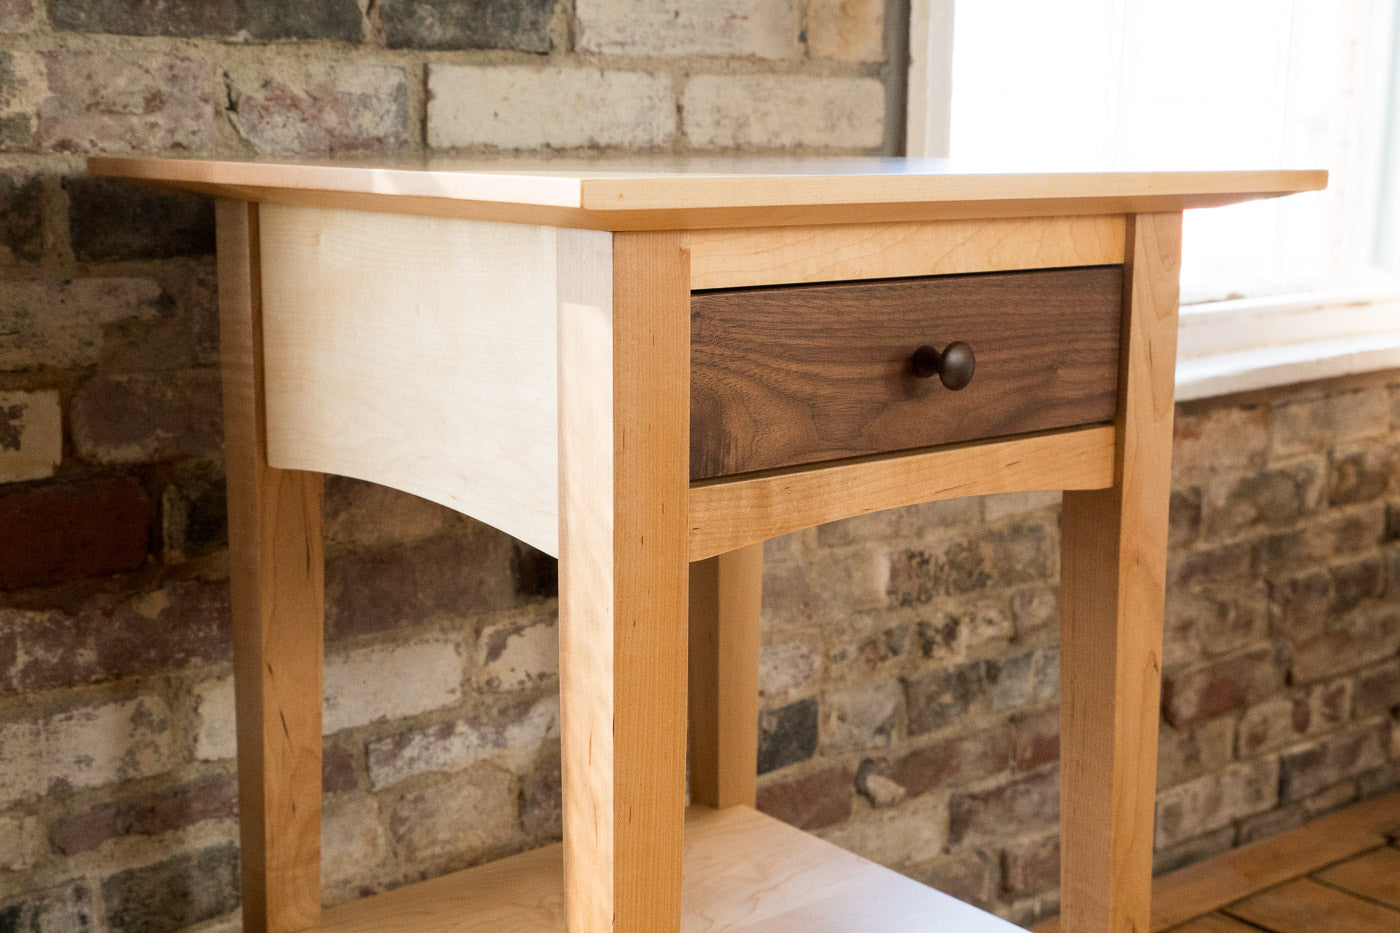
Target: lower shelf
[{"x": 743, "y": 872}]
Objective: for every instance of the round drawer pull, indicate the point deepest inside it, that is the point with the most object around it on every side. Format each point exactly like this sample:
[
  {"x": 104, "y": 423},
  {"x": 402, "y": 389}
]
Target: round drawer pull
[{"x": 954, "y": 366}]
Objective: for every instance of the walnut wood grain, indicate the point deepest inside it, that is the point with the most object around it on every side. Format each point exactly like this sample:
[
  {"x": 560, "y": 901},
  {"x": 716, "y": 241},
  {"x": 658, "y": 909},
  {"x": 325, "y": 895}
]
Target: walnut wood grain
[{"x": 792, "y": 375}]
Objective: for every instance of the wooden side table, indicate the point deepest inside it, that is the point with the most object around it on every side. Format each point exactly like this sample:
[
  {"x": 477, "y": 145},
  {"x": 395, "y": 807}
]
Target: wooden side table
[{"x": 644, "y": 369}]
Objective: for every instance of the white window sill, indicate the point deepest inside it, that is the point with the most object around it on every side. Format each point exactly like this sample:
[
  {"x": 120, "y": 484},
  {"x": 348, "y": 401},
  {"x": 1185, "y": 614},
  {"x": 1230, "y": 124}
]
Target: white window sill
[{"x": 1258, "y": 343}]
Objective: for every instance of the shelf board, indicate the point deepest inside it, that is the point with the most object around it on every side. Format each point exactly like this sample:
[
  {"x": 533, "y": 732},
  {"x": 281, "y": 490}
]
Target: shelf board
[{"x": 743, "y": 872}]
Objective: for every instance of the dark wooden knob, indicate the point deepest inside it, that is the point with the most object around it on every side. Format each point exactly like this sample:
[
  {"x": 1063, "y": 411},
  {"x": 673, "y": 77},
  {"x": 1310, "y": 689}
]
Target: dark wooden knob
[{"x": 954, "y": 366}]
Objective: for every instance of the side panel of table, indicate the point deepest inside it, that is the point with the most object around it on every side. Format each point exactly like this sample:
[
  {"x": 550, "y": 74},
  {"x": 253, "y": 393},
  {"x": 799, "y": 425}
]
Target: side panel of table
[
  {"x": 276, "y": 567},
  {"x": 1112, "y": 587},
  {"x": 421, "y": 354}
]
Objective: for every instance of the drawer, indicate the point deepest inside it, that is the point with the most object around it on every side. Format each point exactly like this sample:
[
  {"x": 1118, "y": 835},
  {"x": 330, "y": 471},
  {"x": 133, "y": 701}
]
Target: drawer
[{"x": 799, "y": 374}]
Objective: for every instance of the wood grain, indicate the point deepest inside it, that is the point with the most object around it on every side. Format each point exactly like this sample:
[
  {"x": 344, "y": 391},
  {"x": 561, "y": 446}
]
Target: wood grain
[
  {"x": 744, "y": 873},
  {"x": 726, "y": 603},
  {"x": 1304, "y": 906},
  {"x": 785, "y": 376},
  {"x": 1215, "y": 923},
  {"x": 1229, "y": 877},
  {"x": 623, "y": 424},
  {"x": 839, "y": 252},
  {"x": 1112, "y": 586},
  {"x": 1185, "y": 894},
  {"x": 276, "y": 574},
  {"x": 1375, "y": 875},
  {"x": 421, "y": 354},
  {"x": 669, "y": 193},
  {"x": 731, "y": 513}
]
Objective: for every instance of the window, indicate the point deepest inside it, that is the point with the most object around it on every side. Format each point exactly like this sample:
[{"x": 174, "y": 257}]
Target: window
[{"x": 1209, "y": 84}]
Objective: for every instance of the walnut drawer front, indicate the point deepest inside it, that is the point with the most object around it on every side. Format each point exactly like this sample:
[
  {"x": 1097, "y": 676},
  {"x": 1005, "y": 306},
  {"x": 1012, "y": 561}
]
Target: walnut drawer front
[{"x": 799, "y": 374}]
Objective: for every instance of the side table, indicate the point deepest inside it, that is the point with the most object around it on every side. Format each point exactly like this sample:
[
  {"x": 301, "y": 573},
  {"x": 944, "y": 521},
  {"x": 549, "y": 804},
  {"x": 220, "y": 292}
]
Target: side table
[{"x": 648, "y": 369}]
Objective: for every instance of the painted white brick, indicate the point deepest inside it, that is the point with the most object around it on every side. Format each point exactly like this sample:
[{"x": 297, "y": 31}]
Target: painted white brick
[
  {"x": 458, "y": 745},
  {"x": 85, "y": 747},
  {"x": 514, "y": 655},
  {"x": 31, "y": 435},
  {"x": 753, "y": 28},
  {"x": 772, "y": 111},
  {"x": 391, "y": 681},
  {"x": 214, "y": 737},
  {"x": 847, "y": 30},
  {"x": 354, "y": 844},
  {"x": 909, "y": 833},
  {"x": 1007, "y": 504},
  {"x": 21, "y": 842},
  {"x": 516, "y": 107}
]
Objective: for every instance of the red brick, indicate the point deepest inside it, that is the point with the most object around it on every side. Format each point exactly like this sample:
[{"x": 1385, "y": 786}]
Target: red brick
[
  {"x": 1214, "y": 620},
  {"x": 113, "y": 636},
  {"x": 810, "y": 802},
  {"x": 1228, "y": 684},
  {"x": 156, "y": 813},
  {"x": 1226, "y": 437},
  {"x": 1357, "y": 582},
  {"x": 1038, "y": 740},
  {"x": 1031, "y": 866},
  {"x": 336, "y": 106},
  {"x": 338, "y": 769},
  {"x": 1214, "y": 800},
  {"x": 1360, "y": 638},
  {"x": 1229, "y": 562},
  {"x": 1302, "y": 605},
  {"x": 963, "y": 873},
  {"x": 1185, "y": 754},
  {"x": 1272, "y": 497},
  {"x": 1360, "y": 476},
  {"x": 1324, "y": 539},
  {"x": 1306, "y": 771},
  {"x": 1184, "y": 517},
  {"x": 1378, "y": 690},
  {"x": 59, "y": 532},
  {"x": 120, "y": 101},
  {"x": 1283, "y": 720},
  {"x": 17, "y": 15},
  {"x": 1028, "y": 803},
  {"x": 954, "y": 761},
  {"x": 945, "y": 696},
  {"x": 149, "y": 418},
  {"x": 386, "y": 588}
]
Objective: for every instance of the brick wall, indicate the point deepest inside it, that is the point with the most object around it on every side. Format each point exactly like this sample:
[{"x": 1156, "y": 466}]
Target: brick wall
[
  {"x": 909, "y": 657},
  {"x": 908, "y": 673}
]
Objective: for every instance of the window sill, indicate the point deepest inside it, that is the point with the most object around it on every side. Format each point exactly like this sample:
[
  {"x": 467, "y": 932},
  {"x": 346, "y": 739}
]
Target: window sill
[{"x": 1258, "y": 343}]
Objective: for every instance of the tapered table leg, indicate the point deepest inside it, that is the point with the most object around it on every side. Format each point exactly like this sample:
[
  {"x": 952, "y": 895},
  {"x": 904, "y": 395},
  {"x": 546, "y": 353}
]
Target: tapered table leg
[
  {"x": 276, "y": 570},
  {"x": 1113, "y": 576},
  {"x": 624, "y": 451}
]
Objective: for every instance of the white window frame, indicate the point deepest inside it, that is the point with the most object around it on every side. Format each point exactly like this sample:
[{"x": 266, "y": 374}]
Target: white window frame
[{"x": 1226, "y": 346}]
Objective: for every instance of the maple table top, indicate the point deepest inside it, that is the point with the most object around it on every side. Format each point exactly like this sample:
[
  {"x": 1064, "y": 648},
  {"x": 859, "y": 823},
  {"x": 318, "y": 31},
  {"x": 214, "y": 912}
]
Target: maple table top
[{"x": 684, "y": 192}]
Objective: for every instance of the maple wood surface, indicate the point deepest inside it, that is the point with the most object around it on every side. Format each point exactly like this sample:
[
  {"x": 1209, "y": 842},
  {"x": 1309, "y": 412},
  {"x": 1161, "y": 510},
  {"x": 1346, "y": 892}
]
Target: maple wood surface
[{"x": 682, "y": 193}]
